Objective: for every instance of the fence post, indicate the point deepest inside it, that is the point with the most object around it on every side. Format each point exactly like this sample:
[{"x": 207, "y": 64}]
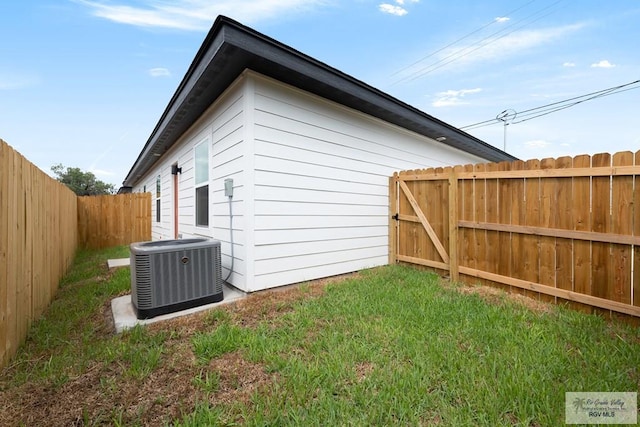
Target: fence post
[
  {"x": 393, "y": 223},
  {"x": 453, "y": 226}
]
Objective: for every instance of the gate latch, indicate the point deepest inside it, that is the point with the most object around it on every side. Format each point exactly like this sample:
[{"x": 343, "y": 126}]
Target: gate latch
[{"x": 396, "y": 217}]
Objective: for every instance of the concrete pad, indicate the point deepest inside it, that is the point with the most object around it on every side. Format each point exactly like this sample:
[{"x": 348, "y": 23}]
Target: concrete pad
[
  {"x": 120, "y": 262},
  {"x": 125, "y": 318}
]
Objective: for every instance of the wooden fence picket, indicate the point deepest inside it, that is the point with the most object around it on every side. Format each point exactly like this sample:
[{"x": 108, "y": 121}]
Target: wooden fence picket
[
  {"x": 621, "y": 215},
  {"x": 601, "y": 223},
  {"x": 468, "y": 247},
  {"x": 582, "y": 222},
  {"x": 517, "y": 216},
  {"x": 548, "y": 219},
  {"x": 504, "y": 203},
  {"x": 562, "y": 217},
  {"x": 529, "y": 270}
]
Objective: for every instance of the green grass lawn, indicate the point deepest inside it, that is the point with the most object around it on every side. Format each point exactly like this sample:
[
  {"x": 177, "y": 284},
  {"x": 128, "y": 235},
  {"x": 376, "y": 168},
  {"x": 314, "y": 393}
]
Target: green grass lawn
[{"x": 389, "y": 346}]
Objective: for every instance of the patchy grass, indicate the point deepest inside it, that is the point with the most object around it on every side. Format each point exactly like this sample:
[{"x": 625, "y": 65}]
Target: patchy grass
[
  {"x": 389, "y": 346},
  {"x": 60, "y": 345}
]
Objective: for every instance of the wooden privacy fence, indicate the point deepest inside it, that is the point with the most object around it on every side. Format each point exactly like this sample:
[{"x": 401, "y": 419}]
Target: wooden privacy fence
[
  {"x": 38, "y": 240},
  {"x": 105, "y": 221},
  {"x": 42, "y": 223},
  {"x": 567, "y": 229}
]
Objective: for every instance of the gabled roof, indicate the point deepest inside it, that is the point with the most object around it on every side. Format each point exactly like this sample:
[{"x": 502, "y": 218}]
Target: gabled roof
[{"x": 231, "y": 47}]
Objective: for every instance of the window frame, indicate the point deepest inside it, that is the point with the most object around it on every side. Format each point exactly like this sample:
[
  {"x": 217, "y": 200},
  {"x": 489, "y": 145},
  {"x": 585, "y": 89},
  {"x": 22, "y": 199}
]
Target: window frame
[
  {"x": 201, "y": 185},
  {"x": 158, "y": 197}
]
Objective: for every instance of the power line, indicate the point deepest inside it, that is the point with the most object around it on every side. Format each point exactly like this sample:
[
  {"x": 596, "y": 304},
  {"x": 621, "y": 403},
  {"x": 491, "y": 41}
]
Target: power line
[
  {"x": 536, "y": 112},
  {"x": 530, "y": 117},
  {"x": 455, "y": 56},
  {"x": 553, "y": 107},
  {"x": 465, "y": 51},
  {"x": 477, "y": 30}
]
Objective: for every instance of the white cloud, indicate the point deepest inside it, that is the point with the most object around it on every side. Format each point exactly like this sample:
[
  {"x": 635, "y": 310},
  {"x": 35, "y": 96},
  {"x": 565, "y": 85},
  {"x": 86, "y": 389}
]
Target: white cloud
[
  {"x": 569, "y": 64},
  {"x": 500, "y": 48},
  {"x": 502, "y": 19},
  {"x": 521, "y": 40},
  {"x": 603, "y": 64},
  {"x": 537, "y": 143},
  {"x": 194, "y": 15},
  {"x": 392, "y": 10},
  {"x": 159, "y": 72},
  {"x": 396, "y": 10},
  {"x": 451, "y": 98},
  {"x": 100, "y": 172}
]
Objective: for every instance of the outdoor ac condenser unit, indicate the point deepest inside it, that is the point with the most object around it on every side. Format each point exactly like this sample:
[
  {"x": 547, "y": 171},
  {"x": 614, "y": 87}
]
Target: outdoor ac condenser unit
[{"x": 173, "y": 275}]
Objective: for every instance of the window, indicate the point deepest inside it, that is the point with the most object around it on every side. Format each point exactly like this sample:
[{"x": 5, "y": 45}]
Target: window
[
  {"x": 158, "y": 182},
  {"x": 202, "y": 184}
]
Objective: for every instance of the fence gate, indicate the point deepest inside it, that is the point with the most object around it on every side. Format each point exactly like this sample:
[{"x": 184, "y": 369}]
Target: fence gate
[
  {"x": 422, "y": 209},
  {"x": 562, "y": 230}
]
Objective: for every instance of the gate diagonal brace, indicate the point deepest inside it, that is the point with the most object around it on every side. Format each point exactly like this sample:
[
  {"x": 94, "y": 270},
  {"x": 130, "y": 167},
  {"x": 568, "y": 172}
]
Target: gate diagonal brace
[{"x": 425, "y": 223}]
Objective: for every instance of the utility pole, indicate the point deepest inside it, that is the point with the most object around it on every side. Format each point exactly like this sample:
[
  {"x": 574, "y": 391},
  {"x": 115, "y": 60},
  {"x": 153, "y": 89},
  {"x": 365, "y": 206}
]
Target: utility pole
[{"x": 506, "y": 117}]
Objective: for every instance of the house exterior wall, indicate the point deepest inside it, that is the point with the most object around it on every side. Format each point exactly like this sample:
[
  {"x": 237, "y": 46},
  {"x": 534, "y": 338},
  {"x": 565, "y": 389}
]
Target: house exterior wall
[
  {"x": 310, "y": 182},
  {"x": 321, "y": 184},
  {"x": 222, "y": 128}
]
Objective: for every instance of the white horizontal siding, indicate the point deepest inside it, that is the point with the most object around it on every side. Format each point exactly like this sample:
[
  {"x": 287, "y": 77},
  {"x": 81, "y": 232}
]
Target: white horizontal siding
[
  {"x": 313, "y": 235},
  {"x": 316, "y": 153},
  {"x": 227, "y": 161},
  {"x": 186, "y": 197},
  {"x": 321, "y": 184},
  {"x": 343, "y": 151},
  {"x": 339, "y": 126},
  {"x": 301, "y": 261},
  {"x": 341, "y": 197},
  {"x": 307, "y": 222},
  {"x": 293, "y": 249},
  {"x": 303, "y": 273},
  {"x": 300, "y": 168},
  {"x": 272, "y": 207},
  {"x": 318, "y": 183},
  {"x": 222, "y": 126},
  {"x": 310, "y": 182}
]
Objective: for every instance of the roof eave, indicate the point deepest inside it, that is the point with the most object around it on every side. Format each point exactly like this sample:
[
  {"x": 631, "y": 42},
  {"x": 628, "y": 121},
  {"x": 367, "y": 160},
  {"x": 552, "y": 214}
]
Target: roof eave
[{"x": 230, "y": 48}]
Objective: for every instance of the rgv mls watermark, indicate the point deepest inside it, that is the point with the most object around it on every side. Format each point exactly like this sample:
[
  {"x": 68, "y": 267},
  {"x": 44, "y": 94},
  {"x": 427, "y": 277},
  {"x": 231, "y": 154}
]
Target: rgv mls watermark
[{"x": 601, "y": 408}]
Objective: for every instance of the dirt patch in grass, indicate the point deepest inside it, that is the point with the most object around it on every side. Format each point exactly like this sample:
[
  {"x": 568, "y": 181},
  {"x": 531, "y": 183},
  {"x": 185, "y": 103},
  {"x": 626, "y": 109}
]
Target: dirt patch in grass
[
  {"x": 363, "y": 370},
  {"x": 238, "y": 378},
  {"x": 498, "y": 296},
  {"x": 104, "y": 393},
  {"x": 266, "y": 305}
]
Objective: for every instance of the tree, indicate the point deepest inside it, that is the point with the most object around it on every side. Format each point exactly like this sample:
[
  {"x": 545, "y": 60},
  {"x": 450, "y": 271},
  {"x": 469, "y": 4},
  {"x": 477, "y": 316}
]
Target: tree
[{"x": 81, "y": 183}]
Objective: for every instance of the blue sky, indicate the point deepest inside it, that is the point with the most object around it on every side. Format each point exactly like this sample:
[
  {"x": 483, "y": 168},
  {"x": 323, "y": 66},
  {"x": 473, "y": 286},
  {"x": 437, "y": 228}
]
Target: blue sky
[{"x": 84, "y": 82}]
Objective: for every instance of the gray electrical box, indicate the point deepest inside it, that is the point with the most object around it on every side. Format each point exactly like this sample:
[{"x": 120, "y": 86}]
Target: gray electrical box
[{"x": 228, "y": 187}]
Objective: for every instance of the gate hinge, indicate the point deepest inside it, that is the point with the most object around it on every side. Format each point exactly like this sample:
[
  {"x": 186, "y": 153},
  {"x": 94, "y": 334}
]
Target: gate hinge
[{"x": 396, "y": 217}]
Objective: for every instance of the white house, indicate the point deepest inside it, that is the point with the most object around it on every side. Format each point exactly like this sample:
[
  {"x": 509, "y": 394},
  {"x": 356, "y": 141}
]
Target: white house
[{"x": 309, "y": 151}]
